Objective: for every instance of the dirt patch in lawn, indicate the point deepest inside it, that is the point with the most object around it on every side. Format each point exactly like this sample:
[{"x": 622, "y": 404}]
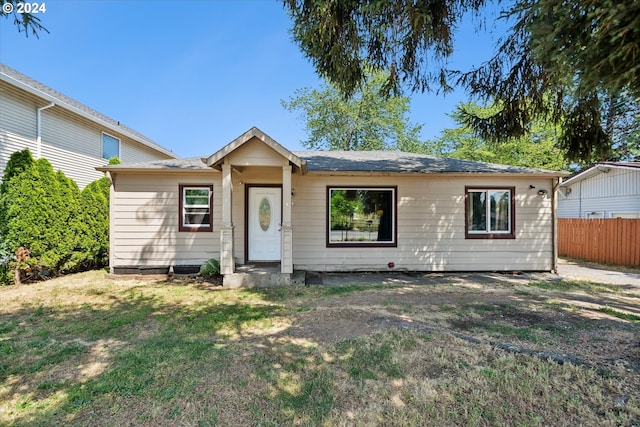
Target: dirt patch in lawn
[
  {"x": 563, "y": 321},
  {"x": 87, "y": 351}
]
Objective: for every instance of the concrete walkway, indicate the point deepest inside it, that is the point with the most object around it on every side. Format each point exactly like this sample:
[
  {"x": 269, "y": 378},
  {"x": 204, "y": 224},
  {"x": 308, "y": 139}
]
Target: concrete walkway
[
  {"x": 566, "y": 270},
  {"x": 598, "y": 273}
]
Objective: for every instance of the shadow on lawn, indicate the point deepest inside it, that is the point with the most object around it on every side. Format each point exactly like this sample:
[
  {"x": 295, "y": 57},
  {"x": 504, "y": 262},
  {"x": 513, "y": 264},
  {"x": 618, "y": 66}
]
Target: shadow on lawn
[
  {"x": 63, "y": 365},
  {"x": 140, "y": 360}
]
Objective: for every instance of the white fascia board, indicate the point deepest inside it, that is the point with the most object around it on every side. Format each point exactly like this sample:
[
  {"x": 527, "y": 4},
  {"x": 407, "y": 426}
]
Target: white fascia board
[{"x": 84, "y": 114}]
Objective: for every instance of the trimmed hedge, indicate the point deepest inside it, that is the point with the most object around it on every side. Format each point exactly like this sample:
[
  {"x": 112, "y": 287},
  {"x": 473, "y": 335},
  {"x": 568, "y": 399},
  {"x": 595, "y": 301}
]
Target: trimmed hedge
[{"x": 43, "y": 211}]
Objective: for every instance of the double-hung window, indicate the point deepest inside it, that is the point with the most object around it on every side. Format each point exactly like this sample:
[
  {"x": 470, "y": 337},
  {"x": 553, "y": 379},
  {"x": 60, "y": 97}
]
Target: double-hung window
[
  {"x": 196, "y": 207},
  {"x": 110, "y": 146},
  {"x": 490, "y": 213},
  {"x": 361, "y": 216}
]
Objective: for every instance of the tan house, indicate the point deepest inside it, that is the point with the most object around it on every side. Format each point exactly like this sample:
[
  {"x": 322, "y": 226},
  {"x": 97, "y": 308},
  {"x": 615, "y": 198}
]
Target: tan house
[
  {"x": 256, "y": 202},
  {"x": 71, "y": 136}
]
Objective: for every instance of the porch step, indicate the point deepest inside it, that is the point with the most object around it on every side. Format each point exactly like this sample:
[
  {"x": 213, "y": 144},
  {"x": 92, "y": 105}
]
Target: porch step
[{"x": 262, "y": 278}]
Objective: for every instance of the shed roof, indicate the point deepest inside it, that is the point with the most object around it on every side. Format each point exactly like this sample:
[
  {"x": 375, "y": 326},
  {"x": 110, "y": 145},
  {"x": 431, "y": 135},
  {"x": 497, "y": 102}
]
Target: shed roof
[
  {"x": 43, "y": 91},
  {"x": 598, "y": 168}
]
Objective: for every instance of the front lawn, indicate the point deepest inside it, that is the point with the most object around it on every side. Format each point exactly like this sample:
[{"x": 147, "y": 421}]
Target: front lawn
[{"x": 85, "y": 350}]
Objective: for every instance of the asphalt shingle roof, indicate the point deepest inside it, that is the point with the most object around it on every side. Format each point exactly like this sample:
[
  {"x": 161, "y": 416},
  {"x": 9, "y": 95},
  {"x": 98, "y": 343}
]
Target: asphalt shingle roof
[
  {"x": 361, "y": 161},
  {"x": 66, "y": 101},
  {"x": 399, "y": 162}
]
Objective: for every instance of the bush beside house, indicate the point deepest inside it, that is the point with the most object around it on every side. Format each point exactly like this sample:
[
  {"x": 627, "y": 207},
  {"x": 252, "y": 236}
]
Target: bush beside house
[{"x": 43, "y": 212}]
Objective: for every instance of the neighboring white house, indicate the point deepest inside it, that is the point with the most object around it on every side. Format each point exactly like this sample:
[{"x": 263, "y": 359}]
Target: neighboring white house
[
  {"x": 73, "y": 137},
  {"x": 605, "y": 190},
  {"x": 255, "y": 201}
]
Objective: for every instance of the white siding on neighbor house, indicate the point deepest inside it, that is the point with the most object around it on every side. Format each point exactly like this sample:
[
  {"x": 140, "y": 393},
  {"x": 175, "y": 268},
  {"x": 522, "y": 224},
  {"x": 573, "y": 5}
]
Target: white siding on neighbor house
[
  {"x": 71, "y": 143},
  {"x": 144, "y": 209},
  {"x": 431, "y": 227},
  {"x": 18, "y": 111},
  {"x": 606, "y": 194},
  {"x": 17, "y": 123},
  {"x": 9, "y": 144}
]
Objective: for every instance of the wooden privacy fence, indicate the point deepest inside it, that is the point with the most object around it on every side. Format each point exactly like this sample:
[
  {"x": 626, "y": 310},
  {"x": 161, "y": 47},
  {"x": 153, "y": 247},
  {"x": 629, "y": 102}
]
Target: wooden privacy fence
[{"x": 609, "y": 241}]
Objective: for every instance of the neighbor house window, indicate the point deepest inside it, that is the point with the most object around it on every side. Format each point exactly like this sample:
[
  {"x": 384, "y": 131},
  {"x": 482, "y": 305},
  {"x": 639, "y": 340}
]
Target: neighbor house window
[
  {"x": 110, "y": 146},
  {"x": 196, "y": 205},
  {"x": 490, "y": 213},
  {"x": 361, "y": 216}
]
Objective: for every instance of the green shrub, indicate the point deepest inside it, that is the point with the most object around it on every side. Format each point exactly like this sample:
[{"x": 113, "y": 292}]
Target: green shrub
[
  {"x": 41, "y": 212},
  {"x": 211, "y": 267},
  {"x": 93, "y": 251},
  {"x": 18, "y": 163},
  {"x": 65, "y": 230}
]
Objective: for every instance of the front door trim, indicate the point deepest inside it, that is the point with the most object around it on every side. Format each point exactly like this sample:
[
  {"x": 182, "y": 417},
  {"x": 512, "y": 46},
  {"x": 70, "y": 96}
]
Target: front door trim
[{"x": 246, "y": 214}]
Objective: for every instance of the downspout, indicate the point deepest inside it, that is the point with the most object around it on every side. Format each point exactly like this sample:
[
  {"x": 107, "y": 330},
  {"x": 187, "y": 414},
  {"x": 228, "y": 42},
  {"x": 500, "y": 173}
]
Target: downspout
[{"x": 39, "y": 128}]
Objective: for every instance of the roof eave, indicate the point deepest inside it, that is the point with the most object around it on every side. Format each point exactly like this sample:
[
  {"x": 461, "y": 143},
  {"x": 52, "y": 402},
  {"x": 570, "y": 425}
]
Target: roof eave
[
  {"x": 84, "y": 114},
  {"x": 595, "y": 170},
  {"x": 422, "y": 173},
  {"x": 154, "y": 170}
]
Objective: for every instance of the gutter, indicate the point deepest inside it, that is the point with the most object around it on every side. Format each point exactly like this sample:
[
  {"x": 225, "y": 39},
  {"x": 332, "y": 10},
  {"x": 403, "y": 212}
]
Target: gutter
[
  {"x": 95, "y": 118},
  {"x": 39, "y": 128}
]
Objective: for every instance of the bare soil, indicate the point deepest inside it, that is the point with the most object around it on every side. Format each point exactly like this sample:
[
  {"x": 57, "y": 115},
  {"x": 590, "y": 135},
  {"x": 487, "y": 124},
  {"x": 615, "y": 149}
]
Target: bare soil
[{"x": 568, "y": 323}]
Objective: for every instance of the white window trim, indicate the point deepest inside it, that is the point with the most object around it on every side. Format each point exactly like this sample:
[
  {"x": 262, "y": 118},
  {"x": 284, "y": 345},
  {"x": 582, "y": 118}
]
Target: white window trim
[
  {"x": 102, "y": 145},
  {"x": 183, "y": 214}
]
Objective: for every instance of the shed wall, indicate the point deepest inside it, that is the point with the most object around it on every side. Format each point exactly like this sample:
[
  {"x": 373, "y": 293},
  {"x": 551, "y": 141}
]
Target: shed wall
[{"x": 603, "y": 195}]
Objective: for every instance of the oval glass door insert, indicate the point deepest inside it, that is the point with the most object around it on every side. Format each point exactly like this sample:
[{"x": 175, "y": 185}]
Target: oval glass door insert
[{"x": 264, "y": 214}]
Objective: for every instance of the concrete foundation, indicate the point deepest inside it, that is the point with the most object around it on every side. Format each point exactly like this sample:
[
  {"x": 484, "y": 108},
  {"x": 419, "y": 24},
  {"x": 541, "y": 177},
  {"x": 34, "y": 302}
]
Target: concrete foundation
[{"x": 262, "y": 277}]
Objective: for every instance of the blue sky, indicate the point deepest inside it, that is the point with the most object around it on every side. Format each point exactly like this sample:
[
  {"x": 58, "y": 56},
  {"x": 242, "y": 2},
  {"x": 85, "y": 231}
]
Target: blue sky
[{"x": 192, "y": 75}]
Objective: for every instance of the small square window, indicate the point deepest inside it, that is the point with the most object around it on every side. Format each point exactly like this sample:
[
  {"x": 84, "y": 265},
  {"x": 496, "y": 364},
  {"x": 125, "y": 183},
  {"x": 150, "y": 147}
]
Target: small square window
[
  {"x": 110, "y": 147},
  {"x": 196, "y": 207},
  {"x": 490, "y": 213}
]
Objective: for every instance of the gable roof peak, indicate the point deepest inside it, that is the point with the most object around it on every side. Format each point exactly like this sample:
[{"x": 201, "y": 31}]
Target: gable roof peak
[{"x": 216, "y": 159}]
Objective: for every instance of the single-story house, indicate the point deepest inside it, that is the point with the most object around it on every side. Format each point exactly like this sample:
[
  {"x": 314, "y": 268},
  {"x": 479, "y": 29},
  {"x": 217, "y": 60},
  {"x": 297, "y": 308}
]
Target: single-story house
[
  {"x": 604, "y": 190},
  {"x": 254, "y": 201}
]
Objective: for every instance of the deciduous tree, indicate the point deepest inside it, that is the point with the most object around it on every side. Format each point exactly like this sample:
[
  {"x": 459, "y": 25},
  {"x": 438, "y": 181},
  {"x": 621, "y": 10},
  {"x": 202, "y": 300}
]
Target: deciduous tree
[{"x": 366, "y": 121}]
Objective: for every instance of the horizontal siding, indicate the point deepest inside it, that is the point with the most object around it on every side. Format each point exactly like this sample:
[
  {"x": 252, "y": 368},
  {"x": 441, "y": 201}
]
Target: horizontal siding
[
  {"x": 431, "y": 222},
  {"x": 255, "y": 152},
  {"x": 70, "y": 132},
  {"x": 613, "y": 192},
  {"x": 144, "y": 212},
  {"x": 76, "y": 166},
  {"x": 18, "y": 111},
  {"x": 9, "y": 144},
  {"x": 70, "y": 142},
  {"x": 430, "y": 225}
]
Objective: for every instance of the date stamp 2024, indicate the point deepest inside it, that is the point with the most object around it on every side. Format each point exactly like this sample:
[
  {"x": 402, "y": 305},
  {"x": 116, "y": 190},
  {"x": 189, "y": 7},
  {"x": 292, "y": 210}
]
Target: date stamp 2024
[{"x": 20, "y": 7}]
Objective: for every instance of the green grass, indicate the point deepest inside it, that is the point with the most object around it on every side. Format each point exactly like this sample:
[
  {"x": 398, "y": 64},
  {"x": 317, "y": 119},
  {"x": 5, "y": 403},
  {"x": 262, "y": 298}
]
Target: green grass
[
  {"x": 575, "y": 285},
  {"x": 619, "y": 314},
  {"x": 81, "y": 351}
]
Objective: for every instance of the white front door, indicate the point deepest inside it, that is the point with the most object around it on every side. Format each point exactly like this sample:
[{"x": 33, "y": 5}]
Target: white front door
[{"x": 263, "y": 223}]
